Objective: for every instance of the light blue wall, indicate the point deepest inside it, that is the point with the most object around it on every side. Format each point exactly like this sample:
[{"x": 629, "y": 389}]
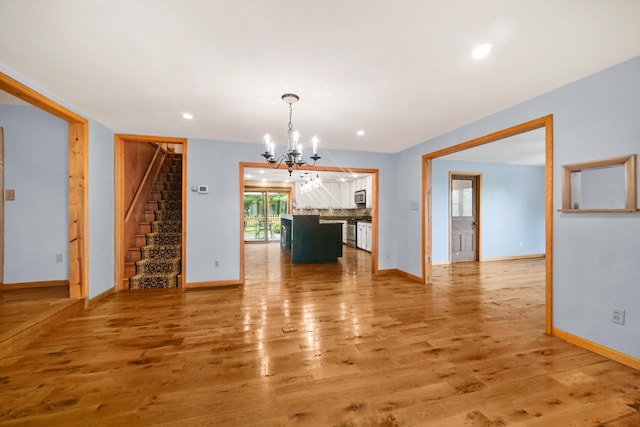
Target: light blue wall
[
  {"x": 512, "y": 208},
  {"x": 595, "y": 256},
  {"x": 36, "y": 167},
  {"x": 100, "y": 195},
  {"x": 213, "y": 219},
  {"x": 101, "y": 209}
]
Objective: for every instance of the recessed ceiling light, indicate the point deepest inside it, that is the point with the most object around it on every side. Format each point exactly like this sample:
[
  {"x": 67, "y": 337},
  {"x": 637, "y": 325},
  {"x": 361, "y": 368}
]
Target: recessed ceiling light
[
  {"x": 355, "y": 175},
  {"x": 187, "y": 116},
  {"x": 247, "y": 176},
  {"x": 360, "y": 132},
  {"x": 261, "y": 171},
  {"x": 481, "y": 50}
]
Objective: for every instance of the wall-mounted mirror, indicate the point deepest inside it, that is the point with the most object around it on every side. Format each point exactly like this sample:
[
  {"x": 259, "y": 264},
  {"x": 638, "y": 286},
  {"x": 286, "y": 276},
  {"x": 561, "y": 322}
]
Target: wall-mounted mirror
[{"x": 600, "y": 186}]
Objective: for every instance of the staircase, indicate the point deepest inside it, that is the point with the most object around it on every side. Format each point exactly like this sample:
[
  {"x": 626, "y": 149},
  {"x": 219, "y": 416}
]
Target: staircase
[{"x": 156, "y": 258}]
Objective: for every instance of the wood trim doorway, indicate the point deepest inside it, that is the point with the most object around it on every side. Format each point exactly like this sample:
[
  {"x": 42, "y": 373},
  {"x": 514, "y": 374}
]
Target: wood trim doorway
[
  {"x": 119, "y": 143},
  {"x": 374, "y": 206},
  {"x": 78, "y": 171},
  {"x": 545, "y": 122},
  {"x": 2, "y": 206}
]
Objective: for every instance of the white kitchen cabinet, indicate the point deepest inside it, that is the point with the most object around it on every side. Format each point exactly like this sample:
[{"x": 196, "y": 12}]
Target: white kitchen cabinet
[
  {"x": 364, "y": 235},
  {"x": 369, "y": 236},
  {"x": 369, "y": 189},
  {"x": 300, "y": 198},
  {"x": 332, "y": 193},
  {"x": 360, "y": 237},
  {"x": 344, "y": 195},
  {"x": 316, "y": 198},
  {"x": 352, "y": 190}
]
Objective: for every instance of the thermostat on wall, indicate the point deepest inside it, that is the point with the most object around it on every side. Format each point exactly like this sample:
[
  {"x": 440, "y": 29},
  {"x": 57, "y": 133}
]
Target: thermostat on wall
[{"x": 202, "y": 189}]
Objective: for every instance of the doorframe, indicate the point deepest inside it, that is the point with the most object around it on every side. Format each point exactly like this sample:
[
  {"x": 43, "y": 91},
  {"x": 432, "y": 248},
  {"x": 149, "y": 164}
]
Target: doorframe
[
  {"x": 545, "y": 122},
  {"x": 476, "y": 200},
  {"x": 374, "y": 205},
  {"x": 78, "y": 255},
  {"x": 2, "y": 206},
  {"x": 119, "y": 246}
]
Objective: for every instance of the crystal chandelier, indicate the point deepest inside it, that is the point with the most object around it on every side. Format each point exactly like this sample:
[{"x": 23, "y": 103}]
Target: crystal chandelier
[{"x": 293, "y": 156}]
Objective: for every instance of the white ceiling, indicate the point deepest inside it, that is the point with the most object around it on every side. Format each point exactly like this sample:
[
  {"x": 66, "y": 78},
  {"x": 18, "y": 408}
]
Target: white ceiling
[
  {"x": 402, "y": 71},
  {"x": 523, "y": 149}
]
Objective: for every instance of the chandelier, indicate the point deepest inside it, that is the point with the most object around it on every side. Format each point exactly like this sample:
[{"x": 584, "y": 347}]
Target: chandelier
[{"x": 293, "y": 156}]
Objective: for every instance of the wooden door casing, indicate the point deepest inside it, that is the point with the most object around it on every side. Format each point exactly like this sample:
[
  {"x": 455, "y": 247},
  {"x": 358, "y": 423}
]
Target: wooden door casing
[{"x": 463, "y": 218}]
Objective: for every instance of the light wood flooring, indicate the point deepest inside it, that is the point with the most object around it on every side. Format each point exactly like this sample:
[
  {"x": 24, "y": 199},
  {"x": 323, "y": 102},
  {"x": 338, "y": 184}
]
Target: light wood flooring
[
  {"x": 324, "y": 345},
  {"x": 25, "y": 312}
]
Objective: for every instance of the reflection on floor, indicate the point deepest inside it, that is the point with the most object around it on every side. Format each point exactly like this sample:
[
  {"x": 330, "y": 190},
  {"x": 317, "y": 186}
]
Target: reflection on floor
[
  {"x": 261, "y": 260},
  {"x": 325, "y": 345}
]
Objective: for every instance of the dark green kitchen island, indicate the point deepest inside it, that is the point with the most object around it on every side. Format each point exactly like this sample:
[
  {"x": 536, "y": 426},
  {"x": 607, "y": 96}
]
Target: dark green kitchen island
[{"x": 308, "y": 241}]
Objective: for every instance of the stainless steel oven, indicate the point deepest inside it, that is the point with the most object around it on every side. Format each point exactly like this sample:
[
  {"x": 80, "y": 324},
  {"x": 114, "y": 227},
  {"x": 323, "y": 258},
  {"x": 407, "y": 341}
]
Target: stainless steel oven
[{"x": 351, "y": 234}]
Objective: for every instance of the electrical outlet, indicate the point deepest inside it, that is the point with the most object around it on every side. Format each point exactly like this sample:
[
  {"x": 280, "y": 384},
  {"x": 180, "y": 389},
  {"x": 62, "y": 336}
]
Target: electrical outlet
[
  {"x": 617, "y": 315},
  {"x": 58, "y": 258}
]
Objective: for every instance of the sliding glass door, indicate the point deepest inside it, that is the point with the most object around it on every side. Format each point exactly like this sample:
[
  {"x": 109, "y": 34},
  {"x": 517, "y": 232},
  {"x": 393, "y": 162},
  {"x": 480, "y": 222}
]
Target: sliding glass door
[{"x": 262, "y": 211}]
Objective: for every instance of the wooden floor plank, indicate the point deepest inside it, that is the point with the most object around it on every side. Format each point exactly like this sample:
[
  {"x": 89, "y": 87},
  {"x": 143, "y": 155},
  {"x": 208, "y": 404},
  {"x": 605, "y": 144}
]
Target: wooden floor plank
[{"x": 324, "y": 344}]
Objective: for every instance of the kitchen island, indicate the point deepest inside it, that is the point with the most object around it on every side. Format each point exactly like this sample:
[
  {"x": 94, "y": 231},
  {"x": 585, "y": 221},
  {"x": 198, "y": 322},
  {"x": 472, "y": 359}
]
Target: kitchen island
[{"x": 309, "y": 241}]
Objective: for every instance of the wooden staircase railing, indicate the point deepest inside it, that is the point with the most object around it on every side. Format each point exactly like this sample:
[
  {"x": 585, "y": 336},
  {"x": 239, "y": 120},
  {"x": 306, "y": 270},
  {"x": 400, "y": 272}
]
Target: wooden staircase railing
[{"x": 137, "y": 206}]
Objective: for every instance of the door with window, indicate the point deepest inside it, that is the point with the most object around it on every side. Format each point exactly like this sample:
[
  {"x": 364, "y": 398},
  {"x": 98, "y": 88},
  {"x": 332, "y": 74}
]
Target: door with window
[
  {"x": 262, "y": 209},
  {"x": 464, "y": 217}
]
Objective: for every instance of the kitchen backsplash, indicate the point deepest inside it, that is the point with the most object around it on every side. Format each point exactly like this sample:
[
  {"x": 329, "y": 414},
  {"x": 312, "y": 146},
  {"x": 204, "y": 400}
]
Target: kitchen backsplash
[{"x": 351, "y": 213}]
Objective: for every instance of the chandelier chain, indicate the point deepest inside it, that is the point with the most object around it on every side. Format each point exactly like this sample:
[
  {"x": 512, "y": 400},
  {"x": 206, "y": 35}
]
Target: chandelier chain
[{"x": 290, "y": 113}]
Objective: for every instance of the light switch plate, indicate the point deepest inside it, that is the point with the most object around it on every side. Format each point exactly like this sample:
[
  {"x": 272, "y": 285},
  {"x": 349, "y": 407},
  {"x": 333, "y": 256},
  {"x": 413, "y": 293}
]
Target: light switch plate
[{"x": 9, "y": 194}]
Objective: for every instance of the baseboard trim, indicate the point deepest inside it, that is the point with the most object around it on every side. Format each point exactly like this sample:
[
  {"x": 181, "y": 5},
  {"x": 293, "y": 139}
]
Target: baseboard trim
[
  {"x": 93, "y": 301},
  {"x": 395, "y": 271},
  {"x": 513, "y": 257},
  {"x": 27, "y": 285},
  {"x": 212, "y": 284},
  {"x": 607, "y": 352}
]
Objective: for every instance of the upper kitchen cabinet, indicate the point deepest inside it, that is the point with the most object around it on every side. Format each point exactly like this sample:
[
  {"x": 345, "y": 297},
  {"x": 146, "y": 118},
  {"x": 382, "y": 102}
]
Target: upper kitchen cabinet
[
  {"x": 334, "y": 195},
  {"x": 366, "y": 184},
  {"x": 369, "y": 190},
  {"x": 346, "y": 195},
  {"x": 325, "y": 197},
  {"x": 332, "y": 191}
]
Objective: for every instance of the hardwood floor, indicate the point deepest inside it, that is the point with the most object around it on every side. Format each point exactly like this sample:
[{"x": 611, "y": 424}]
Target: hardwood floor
[
  {"x": 26, "y": 312},
  {"x": 324, "y": 345}
]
